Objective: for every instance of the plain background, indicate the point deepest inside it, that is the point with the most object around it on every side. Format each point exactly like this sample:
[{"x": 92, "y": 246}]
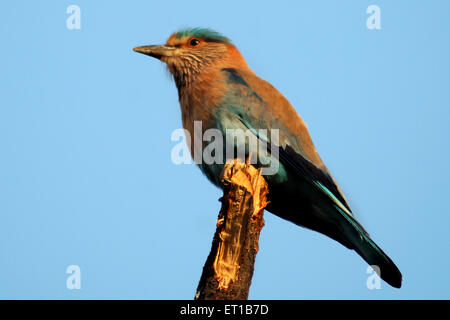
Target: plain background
[{"x": 85, "y": 172}]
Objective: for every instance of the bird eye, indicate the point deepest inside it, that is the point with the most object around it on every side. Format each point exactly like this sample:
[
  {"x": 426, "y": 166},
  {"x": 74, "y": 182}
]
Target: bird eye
[{"x": 194, "y": 42}]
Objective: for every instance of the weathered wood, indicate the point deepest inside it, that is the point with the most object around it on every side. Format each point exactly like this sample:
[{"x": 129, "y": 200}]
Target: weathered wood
[{"x": 228, "y": 270}]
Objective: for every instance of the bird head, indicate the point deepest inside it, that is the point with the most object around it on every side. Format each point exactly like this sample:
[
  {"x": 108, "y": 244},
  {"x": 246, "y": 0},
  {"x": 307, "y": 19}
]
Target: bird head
[{"x": 190, "y": 52}]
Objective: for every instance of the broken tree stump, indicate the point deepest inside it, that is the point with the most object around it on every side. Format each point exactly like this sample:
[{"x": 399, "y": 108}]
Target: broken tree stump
[{"x": 228, "y": 270}]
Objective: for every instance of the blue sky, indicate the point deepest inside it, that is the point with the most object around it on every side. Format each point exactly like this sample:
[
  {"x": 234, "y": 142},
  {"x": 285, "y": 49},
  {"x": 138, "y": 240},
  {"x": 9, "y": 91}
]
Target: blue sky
[{"x": 85, "y": 123}]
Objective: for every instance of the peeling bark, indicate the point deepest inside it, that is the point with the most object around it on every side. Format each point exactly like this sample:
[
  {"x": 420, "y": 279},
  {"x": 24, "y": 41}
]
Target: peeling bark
[{"x": 228, "y": 271}]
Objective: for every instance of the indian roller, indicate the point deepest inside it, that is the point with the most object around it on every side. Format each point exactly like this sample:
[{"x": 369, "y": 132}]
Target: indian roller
[{"x": 217, "y": 87}]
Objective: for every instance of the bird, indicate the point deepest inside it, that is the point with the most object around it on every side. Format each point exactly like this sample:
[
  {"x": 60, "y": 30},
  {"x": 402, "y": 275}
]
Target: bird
[{"x": 217, "y": 88}]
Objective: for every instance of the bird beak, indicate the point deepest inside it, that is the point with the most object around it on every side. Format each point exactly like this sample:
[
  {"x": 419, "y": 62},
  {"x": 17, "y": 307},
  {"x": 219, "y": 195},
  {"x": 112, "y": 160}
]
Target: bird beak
[{"x": 158, "y": 51}]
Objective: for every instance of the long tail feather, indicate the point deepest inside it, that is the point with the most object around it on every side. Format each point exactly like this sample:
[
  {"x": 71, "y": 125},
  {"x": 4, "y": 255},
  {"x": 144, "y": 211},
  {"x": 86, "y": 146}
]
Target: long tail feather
[{"x": 369, "y": 250}]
